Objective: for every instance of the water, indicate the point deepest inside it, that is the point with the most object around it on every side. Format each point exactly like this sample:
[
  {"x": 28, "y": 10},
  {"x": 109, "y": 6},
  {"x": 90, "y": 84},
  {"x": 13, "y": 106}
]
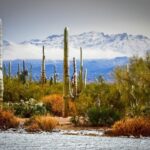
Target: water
[{"x": 59, "y": 141}]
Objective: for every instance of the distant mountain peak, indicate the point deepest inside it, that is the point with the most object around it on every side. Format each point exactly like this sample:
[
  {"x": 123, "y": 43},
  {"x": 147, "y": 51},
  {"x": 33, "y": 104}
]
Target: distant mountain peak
[{"x": 54, "y": 36}]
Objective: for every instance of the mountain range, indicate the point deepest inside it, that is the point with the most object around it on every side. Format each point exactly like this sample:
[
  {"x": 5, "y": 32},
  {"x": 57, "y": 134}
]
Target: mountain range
[
  {"x": 101, "y": 52},
  {"x": 96, "y": 45},
  {"x": 94, "y": 68}
]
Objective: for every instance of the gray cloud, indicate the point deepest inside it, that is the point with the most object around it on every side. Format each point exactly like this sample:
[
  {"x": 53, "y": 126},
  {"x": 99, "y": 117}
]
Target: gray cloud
[{"x": 26, "y": 19}]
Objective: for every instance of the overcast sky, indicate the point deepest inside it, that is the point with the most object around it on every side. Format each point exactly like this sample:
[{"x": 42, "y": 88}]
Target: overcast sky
[{"x": 28, "y": 19}]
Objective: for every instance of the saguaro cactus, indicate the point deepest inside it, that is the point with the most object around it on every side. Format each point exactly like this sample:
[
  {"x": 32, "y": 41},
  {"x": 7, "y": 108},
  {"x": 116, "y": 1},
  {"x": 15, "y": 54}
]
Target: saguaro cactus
[
  {"x": 23, "y": 66},
  {"x": 9, "y": 69},
  {"x": 74, "y": 79},
  {"x": 30, "y": 73},
  {"x": 1, "y": 68},
  {"x": 127, "y": 68},
  {"x": 4, "y": 70},
  {"x": 85, "y": 77},
  {"x": 81, "y": 72},
  {"x": 24, "y": 73},
  {"x": 43, "y": 74},
  {"x": 55, "y": 75},
  {"x": 66, "y": 82},
  {"x": 18, "y": 72}
]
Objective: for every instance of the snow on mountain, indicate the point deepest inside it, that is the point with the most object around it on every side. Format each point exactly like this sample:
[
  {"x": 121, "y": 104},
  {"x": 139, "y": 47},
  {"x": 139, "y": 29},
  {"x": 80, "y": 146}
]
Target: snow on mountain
[{"x": 95, "y": 45}]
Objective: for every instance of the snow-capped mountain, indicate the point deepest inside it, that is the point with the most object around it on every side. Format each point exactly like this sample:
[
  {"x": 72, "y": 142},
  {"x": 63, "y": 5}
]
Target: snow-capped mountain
[{"x": 95, "y": 45}]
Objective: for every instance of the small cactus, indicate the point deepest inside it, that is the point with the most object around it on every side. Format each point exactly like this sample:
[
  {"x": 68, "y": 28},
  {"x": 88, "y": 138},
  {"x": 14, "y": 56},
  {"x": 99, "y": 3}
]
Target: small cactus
[
  {"x": 51, "y": 81},
  {"x": 18, "y": 72},
  {"x": 24, "y": 74},
  {"x": 30, "y": 73},
  {"x": 9, "y": 69},
  {"x": 85, "y": 78},
  {"x": 55, "y": 75}
]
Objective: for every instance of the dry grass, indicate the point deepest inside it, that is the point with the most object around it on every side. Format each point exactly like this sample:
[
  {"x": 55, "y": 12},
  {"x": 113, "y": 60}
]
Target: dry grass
[
  {"x": 72, "y": 108},
  {"x": 132, "y": 126},
  {"x": 41, "y": 123},
  {"x": 8, "y": 120},
  {"x": 55, "y": 104}
]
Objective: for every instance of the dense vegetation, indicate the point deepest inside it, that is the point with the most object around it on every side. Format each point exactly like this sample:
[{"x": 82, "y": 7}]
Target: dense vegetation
[{"x": 100, "y": 103}]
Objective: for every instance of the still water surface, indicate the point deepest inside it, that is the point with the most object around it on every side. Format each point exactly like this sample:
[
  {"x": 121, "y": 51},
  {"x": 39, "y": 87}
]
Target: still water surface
[{"x": 59, "y": 141}]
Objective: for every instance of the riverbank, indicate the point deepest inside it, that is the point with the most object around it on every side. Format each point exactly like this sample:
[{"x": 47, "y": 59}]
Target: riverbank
[{"x": 136, "y": 127}]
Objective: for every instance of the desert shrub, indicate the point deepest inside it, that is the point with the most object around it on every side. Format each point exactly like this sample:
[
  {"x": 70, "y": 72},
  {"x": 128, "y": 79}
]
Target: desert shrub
[
  {"x": 29, "y": 90},
  {"x": 54, "y": 103},
  {"x": 83, "y": 103},
  {"x": 41, "y": 123},
  {"x": 132, "y": 126},
  {"x": 8, "y": 120},
  {"x": 138, "y": 111},
  {"x": 21, "y": 91},
  {"x": 72, "y": 108},
  {"x": 79, "y": 121},
  {"x": 29, "y": 108},
  {"x": 75, "y": 120},
  {"x": 146, "y": 111},
  {"x": 102, "y": 116},
  {"x": 133, "y": 83}
]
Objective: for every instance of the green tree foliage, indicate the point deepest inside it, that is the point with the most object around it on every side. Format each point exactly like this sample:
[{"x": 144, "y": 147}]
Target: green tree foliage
[
  {"x": 15, "y": 90},
  {"x": 133, "y": 84},
  {"x": 99, "y": 94}
]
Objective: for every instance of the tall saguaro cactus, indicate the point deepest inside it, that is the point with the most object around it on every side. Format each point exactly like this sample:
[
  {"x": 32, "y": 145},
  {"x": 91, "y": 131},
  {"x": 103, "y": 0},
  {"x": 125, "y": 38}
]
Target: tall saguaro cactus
[
  {"x": 43, "y": 74},
  {"x": 81, "y": 72},
  {"x": 66, "y": 82},
  {"x": 1, "y": 68},
  {"x": 74, "y": 78}
]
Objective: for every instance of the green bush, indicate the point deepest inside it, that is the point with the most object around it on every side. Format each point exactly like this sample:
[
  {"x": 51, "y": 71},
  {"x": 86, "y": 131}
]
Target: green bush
[
  {"x": 15, "y": 90},
  {"x": 29, "y": 108},
  {"x": 102, "y": 116}
]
